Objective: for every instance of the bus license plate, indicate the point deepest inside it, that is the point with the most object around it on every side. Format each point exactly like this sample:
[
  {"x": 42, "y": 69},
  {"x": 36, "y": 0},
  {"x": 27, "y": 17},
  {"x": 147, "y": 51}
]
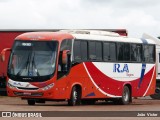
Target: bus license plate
[{"x": 26, "y": 93}]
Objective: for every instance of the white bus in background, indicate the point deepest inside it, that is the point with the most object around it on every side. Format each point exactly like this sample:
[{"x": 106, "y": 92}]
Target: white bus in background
[{"x": 157, "y": 41}]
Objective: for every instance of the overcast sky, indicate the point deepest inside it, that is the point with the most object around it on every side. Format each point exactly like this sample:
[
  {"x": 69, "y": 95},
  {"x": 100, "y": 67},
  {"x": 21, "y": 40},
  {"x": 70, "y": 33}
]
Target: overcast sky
[{"x": 137, "y": 16}]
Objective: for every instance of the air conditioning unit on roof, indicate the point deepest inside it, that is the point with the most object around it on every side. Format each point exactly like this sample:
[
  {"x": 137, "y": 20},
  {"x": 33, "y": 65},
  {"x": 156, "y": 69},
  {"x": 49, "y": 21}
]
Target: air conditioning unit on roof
[{"x": 92, "y": 32}]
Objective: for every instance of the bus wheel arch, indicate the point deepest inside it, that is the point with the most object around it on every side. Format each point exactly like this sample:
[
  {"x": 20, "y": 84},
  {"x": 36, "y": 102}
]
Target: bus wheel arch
[{"x": 75, "y": 95}]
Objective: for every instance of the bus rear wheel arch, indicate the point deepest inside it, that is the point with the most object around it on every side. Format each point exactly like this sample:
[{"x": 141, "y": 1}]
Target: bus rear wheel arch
[{"x": 75, "y": 97}]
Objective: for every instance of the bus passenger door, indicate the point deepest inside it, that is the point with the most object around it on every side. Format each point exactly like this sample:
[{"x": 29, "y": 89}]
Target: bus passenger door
[
  {"x": 64, "y": 64},
  {"x": 62, "y": 77}
]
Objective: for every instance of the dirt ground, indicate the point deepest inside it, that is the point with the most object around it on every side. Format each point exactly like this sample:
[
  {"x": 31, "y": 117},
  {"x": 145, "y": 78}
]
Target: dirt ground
[{"x": 140, "y": 104}]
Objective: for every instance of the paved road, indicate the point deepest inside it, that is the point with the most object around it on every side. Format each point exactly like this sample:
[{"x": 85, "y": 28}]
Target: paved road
[{"x": 140, "y": 104}]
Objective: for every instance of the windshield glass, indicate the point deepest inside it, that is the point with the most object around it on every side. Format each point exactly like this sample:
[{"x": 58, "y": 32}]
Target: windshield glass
[{"x": 32, "y": 59}]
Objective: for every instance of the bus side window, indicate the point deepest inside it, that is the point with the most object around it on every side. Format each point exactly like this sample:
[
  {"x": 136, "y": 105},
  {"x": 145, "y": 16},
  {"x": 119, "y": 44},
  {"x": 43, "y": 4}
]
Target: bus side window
[
  {"x": 80, "y": 51},
  {"x": 126, "y": 54},
  {"x": 66, "y": 45},
  {"x": 120, "y": 51},
  {"x": 139, "y": 53},
  {"x": 83, "y": 50},
  {"x": 77, "y": 50},
  {"x": 92, "y": 50},
  {"x": 133, "y": 52},
  {"x": 106, "y": 51},
  {"x": 151, "y": 54},
  {"x": 99, "y": 51},
  {"x": 136, "y": 52},
  {"x": 148, "y": 53},
  {"x": 109, "y": 51},
  {"x": 112, "y": 51}
]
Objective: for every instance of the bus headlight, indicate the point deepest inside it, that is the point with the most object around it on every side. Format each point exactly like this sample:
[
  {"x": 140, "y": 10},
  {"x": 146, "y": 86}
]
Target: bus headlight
[
  {"x": 11, "y": 86},
  {"x": 48, "y": 86}
]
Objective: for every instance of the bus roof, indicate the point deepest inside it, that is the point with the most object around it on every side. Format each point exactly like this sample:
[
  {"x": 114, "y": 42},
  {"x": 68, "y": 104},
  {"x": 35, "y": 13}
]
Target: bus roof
[
  {"x": 111, "y": 38},
  {"x": 41, "y": 36},
  {"x": 99, "y": 35},
  {"x": 94, "y": 35}
]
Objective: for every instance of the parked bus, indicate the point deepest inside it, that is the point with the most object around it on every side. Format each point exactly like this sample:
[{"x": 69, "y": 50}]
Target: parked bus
[
  {"x": 80, "y": 67},
  {"x": 7, "y": 39}
]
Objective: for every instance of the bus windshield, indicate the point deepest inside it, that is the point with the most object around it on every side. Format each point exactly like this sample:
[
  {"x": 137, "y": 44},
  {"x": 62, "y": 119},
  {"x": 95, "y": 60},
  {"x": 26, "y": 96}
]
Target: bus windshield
[{"x": 33, "y": 58}]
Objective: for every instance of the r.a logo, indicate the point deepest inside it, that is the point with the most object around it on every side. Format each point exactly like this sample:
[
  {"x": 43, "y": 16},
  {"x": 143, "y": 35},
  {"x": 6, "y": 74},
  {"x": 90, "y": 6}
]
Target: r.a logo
[{"x": 120, "y": 69}]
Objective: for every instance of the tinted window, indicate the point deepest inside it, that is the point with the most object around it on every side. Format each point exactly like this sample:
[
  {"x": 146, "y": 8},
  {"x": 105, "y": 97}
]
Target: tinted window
[
  {"x": 146, "y": 53},
  {"x": 120, "y": 50},
  {"x": 112, "y": 51},
  {"x": 109, "y": 51},
  {"x": 133, "y": 52},
  {"x": 77, "y": 50},
  {"x": 126, "y": 54},
  {"x": 66, "y": 45},
  {"x": 98, "y": 50},
  {"x": 84, "y": 50},
  {"x": 139, "y": 53},
  {"x": 106, "y": 51},
  {"x": 80, "y": 50},
  {"x": 151, "y": 53},
  {"x": 92, "y": 50}
]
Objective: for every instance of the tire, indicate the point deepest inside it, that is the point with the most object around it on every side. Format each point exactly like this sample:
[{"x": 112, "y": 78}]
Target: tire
[
  {"x": 126, "y": 95},
  {"x": 75, "y": 98},
  {"x": 31, "y": 102},
  {"x": 155, "y": 96}
]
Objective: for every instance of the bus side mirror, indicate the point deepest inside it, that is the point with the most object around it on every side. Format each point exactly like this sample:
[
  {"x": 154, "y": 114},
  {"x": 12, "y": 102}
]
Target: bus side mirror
[
  {"x": 65, "y": 54},
  {"x": 3, "y": 53}
]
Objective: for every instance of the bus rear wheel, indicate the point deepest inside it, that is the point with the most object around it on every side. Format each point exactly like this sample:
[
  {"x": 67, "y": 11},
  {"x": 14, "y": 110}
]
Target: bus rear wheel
[
  {"x": 126, "y": 95},
  {"x": 31, "y": 102},
  {"x": 75, "y": 97}
]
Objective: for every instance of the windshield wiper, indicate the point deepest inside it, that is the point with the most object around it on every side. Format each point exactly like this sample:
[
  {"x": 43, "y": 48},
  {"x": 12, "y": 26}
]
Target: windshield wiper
[{"x": 34, "y": 64}]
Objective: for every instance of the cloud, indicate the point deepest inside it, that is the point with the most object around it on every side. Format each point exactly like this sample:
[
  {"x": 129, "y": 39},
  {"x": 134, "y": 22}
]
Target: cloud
[{"x": 136, "y": 16}]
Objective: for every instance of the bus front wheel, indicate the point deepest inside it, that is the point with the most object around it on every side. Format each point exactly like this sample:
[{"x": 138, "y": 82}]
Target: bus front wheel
[{"x": 75, "y": 97}]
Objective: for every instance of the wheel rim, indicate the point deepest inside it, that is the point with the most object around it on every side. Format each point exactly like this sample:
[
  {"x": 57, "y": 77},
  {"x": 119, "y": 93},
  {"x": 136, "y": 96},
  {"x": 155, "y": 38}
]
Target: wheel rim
[
  {"x": 75, "y": 96},
  {"x": 126, "y": 95}
]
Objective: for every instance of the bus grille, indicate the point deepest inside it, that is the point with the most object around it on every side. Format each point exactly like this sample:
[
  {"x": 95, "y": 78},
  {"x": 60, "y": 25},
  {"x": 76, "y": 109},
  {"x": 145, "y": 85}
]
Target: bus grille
[
  {"x": 36, "y": 94},
  {"x": 27, "y": 88}
]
